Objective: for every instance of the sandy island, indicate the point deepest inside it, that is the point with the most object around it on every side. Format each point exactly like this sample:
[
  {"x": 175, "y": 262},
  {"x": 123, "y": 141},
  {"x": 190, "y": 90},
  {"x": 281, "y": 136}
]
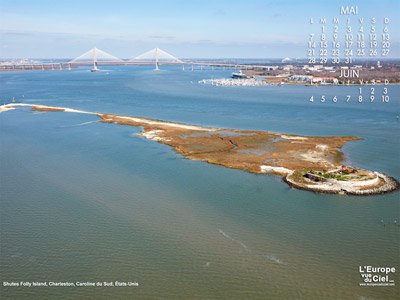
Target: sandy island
[{"x": 309, "y": 163}]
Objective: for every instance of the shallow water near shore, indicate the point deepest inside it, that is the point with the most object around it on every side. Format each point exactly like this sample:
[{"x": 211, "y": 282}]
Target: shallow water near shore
[{"x": 89, "y": 201}]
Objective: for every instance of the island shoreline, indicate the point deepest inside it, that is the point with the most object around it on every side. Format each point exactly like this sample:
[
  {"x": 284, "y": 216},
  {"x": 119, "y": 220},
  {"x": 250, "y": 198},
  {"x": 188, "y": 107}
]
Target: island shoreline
[{"x": 306, "y": 163}]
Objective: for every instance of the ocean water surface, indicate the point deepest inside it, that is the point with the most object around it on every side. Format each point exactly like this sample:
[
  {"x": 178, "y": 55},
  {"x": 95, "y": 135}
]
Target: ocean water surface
[{"x": 88, "y": 201}]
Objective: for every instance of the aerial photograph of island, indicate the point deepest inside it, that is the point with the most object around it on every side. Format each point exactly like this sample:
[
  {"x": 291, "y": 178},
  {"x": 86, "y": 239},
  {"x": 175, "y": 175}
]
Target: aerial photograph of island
[{"x": 200, "y": 149}]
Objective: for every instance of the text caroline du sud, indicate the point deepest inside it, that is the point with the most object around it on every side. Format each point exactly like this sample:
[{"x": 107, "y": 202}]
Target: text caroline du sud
[{"x": 70, "y": 284}]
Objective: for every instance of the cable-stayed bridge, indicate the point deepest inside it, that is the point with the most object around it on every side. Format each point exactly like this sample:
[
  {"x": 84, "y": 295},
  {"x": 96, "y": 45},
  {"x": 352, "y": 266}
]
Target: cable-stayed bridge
[
  {"x": 97, "y": 57},
  {"x": 154, "y": 56},
  {"x": 157, "y": 56}
]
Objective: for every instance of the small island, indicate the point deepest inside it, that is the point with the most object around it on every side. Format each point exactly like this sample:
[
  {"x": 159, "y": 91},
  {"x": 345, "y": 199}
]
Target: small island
[{"x": 308, "y": 163}]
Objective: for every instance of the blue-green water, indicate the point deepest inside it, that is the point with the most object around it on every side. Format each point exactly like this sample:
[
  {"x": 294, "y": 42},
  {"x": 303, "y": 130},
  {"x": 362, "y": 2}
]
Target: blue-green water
[{"x": 97, "y": 203}]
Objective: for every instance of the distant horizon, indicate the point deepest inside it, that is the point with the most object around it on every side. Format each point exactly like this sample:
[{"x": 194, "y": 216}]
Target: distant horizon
[
  {"x": 204, "y": 58},
  {"x": 207, "y": 29}
]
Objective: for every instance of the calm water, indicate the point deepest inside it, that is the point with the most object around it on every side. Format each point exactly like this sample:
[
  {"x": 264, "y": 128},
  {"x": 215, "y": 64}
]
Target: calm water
[{"x": 96, "y": 203}]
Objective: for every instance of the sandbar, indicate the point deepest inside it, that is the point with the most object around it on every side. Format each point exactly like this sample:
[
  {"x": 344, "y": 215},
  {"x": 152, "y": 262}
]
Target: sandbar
[{"x": 310, "y": 163}]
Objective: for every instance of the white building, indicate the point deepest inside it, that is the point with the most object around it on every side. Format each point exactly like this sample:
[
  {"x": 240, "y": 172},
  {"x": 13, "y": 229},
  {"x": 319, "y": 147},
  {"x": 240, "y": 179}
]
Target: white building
[{"x": 325, "y": 80}]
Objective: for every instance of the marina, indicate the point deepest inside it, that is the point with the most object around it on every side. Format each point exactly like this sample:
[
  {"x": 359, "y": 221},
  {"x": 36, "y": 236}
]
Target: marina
[{"x": 233, "y": 82}]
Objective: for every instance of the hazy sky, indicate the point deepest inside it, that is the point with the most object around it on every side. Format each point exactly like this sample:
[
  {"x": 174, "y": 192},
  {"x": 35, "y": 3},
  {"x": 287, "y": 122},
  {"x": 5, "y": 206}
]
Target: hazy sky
[{"x": 186, "y": 29}]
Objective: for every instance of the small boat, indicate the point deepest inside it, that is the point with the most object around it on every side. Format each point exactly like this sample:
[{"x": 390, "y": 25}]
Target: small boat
[{"x": 239, "y": 74}]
